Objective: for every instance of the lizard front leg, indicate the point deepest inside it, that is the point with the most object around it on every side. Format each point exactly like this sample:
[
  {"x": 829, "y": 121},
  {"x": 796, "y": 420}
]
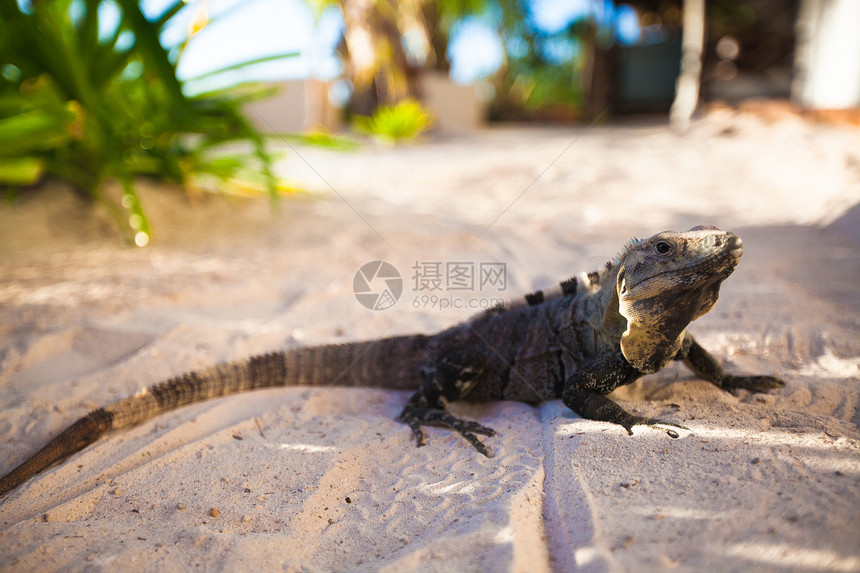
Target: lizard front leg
[
  {"x": 706, "y": 366},
  {"x": 448, "y": 378},
  {"x": 585, "y": 393}
]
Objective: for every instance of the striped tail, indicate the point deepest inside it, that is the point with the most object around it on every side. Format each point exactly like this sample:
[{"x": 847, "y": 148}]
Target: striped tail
[
  {"x": 356, "y": 364},
  {"x": 74, "y": 438}
]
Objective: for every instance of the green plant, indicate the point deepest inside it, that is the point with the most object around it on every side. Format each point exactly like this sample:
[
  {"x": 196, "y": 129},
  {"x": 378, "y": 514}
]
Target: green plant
[
  {"x": 392, "y": 124},
  {"x": 90, "y": 97}
]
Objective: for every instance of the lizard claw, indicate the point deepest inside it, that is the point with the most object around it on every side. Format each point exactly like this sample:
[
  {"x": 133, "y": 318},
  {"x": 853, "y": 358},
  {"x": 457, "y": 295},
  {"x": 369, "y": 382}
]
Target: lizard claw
[
  {"x": 654, "y": 423},
  {"x": 474, "y": 427},
  {"x": 417, "y": 417},
  {"x": 754, "y": 384},
  {"x": 420, "y": 440},
  {"x": 669, "y": 431}
]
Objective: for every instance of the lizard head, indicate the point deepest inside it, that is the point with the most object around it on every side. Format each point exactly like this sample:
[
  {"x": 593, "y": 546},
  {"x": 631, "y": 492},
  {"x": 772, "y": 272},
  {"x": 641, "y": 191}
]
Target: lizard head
[{"x": 664, "y": 283}]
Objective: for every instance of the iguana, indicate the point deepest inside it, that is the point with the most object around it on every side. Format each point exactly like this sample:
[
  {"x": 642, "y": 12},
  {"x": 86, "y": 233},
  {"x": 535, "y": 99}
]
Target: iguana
[{"x": 577, "y": 342}]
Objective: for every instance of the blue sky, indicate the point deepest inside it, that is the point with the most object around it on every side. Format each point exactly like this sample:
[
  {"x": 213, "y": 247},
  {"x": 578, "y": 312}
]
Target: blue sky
[{"x": 240, "y": 30}]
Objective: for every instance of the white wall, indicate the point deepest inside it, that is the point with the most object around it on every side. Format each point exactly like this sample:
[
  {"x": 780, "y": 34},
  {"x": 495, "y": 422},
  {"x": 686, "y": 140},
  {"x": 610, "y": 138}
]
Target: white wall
[
  {"x": 827, "y": 58},
  {"x": 298, "y": 107}
]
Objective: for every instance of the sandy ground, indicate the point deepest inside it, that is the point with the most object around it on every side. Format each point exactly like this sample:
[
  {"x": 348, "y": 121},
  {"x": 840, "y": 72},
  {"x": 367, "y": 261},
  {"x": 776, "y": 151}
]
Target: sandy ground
[{"x": 326, "y": 479}]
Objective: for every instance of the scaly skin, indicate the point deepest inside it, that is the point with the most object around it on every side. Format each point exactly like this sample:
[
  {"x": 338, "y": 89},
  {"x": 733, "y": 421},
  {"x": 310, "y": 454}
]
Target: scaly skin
[{"x": 577, "y": 342}]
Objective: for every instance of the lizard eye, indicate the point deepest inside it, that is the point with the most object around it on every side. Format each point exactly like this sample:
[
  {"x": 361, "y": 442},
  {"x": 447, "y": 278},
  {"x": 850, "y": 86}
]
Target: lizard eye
[{"x": 663, "y": 247}]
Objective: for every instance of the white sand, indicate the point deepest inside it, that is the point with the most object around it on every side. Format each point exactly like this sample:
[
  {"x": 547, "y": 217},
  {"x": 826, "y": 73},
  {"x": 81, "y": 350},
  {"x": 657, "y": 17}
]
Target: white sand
[{"x": 327, "y": 479}]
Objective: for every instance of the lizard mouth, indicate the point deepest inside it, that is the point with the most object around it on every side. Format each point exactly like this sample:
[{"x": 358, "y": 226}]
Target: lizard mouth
[{"x": 735, "y": 247}]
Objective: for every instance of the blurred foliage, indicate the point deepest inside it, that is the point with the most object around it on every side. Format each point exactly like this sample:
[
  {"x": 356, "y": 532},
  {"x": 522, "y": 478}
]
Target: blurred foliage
[
  {"x": 544, "y": 71},
  {"x": 730, "y": 16},
  {"x": 323, "y": 139},
  {"x": 88, "y": 94},
  {"x": 387, "y": 44},
  {"x": 393, "y": 124},
  {"x": 541, "y": 72}
]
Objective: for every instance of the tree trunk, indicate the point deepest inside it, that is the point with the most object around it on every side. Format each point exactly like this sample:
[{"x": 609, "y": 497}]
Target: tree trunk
[
  {"x": 692, "y": 46},
  {"x": 375, "y": 60}
]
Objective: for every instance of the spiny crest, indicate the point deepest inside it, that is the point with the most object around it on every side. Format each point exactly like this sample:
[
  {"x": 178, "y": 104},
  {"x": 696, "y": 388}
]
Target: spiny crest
[
  {"x": 566, "y": 287},
  {"x": 629, "y": 244},
  {"x": 498, "y": 308},
  {"x": 595, "y": 277},
  {"x": 610, "y": 264}
]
